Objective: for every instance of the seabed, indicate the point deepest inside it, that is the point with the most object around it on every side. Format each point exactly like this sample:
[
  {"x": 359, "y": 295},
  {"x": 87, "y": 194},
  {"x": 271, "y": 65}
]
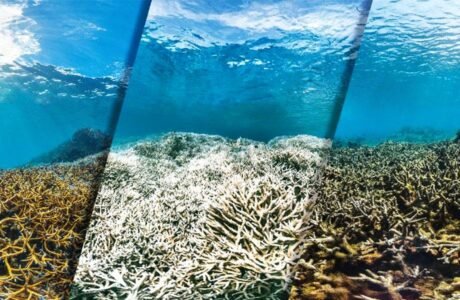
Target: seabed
[
  {"x": 196, "y": 216},
  {"x": 203, "y": 217}
]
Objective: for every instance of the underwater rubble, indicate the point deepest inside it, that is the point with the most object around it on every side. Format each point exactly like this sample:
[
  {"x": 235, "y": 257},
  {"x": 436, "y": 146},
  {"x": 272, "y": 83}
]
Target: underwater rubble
[
  {"x": 386, "y": 225},
  {"x": 44, "y": 212},
  {"x": 191, "y": 216}
]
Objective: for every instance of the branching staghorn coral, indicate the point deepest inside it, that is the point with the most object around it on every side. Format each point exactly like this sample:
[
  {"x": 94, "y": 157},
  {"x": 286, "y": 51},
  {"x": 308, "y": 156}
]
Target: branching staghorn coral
[
  {"x": 199, "y": 217},
  {"x": 386, "y": 225},
  {"x": 43, "y": 214}
]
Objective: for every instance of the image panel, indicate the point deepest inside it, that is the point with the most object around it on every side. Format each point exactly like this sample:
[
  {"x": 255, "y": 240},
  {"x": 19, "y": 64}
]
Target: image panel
[
  {"x": 63, "y": 70},
  {"x": 221, "y": 138},
  {"x": 387, "y": 219}
]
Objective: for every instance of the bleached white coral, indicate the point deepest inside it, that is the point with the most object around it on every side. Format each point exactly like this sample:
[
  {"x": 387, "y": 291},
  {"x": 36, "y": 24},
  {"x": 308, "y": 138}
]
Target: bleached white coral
[{"x": 200, "y": 217}]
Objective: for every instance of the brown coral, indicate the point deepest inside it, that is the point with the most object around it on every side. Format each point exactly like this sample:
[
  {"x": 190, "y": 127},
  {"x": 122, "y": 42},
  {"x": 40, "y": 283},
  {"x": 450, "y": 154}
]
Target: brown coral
[
  {"x": 43, "y": 215},
  {"x": 386, "y": 225}
]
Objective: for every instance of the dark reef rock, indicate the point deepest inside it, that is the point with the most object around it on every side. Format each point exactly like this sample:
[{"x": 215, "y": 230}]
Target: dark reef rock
[{"x": 83, "y": 143}]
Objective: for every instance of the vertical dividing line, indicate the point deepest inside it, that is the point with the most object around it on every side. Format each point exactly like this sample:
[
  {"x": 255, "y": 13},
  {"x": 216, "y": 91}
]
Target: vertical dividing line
[
  {"x": 115, "y": 115},
  {"x": 337, "y": 110},
  {"x": 123, "y": 86},
  {"x": 352, "y": 55}
]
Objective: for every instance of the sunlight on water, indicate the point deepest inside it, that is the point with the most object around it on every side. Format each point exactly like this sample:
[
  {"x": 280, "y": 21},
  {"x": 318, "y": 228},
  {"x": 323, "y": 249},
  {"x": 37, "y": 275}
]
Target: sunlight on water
[{"x": 58, "y": 79}]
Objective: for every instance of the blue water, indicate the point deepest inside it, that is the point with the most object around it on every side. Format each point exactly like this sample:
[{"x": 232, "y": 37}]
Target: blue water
[
  {"x": 253, "y": 69},
  {"x": 62, "y": 64},
  {"x": 406, "y": 82}
]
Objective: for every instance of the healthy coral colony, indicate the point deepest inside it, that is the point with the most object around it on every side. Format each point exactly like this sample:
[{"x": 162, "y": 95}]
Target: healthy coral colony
[
  {"x": 386, "y": 225},
  {"x": 44, "y": 212}
]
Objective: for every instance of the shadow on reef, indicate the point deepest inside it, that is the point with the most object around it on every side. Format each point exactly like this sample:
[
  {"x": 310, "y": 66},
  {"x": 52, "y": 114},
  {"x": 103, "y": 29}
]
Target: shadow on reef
[
  {"x": 386, "y": 225},
  {"x": 83, "y": 143},
  {"x": 44, "y": 213}
]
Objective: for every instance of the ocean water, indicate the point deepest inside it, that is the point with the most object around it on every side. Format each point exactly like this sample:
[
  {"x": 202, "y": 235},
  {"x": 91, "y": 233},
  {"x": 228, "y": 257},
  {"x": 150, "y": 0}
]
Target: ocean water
[
  {"x": 62, "y": 69},
  {"x": 252, "y": 69},
  {"x": 405, "y": 84}
]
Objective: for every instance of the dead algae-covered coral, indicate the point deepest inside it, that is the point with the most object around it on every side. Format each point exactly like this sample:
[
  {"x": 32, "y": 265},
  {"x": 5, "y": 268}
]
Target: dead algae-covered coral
[
  {"x": 386, "y": 225},
  {"x": 193, "y": 216},
  {"x": 43, "y": 214}
]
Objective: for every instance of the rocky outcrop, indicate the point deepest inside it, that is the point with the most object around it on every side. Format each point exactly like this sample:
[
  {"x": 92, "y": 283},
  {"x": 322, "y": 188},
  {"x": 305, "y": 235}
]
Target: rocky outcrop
[{"x": 84, "y": 142}]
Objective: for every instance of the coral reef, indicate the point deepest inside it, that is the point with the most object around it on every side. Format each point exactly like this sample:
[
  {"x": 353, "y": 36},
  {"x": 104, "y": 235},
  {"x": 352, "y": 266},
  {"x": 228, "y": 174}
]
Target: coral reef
[
  {"x": 418, "y": 135},
  {"x": 386, "y": 225},
  {"x": 44, "y": 212},
  {"x": 84, "y": 142},
  {"x": 193, "y": 216}
]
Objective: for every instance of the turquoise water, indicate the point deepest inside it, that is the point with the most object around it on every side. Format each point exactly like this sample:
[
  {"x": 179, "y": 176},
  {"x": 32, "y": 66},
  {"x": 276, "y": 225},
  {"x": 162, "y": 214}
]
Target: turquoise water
[
  {"x": 406, "y": 82},
  {"x": 235, "y": 68},
  {"x": 253, "y": 69},
  {"x": 62, "y": 69}
]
